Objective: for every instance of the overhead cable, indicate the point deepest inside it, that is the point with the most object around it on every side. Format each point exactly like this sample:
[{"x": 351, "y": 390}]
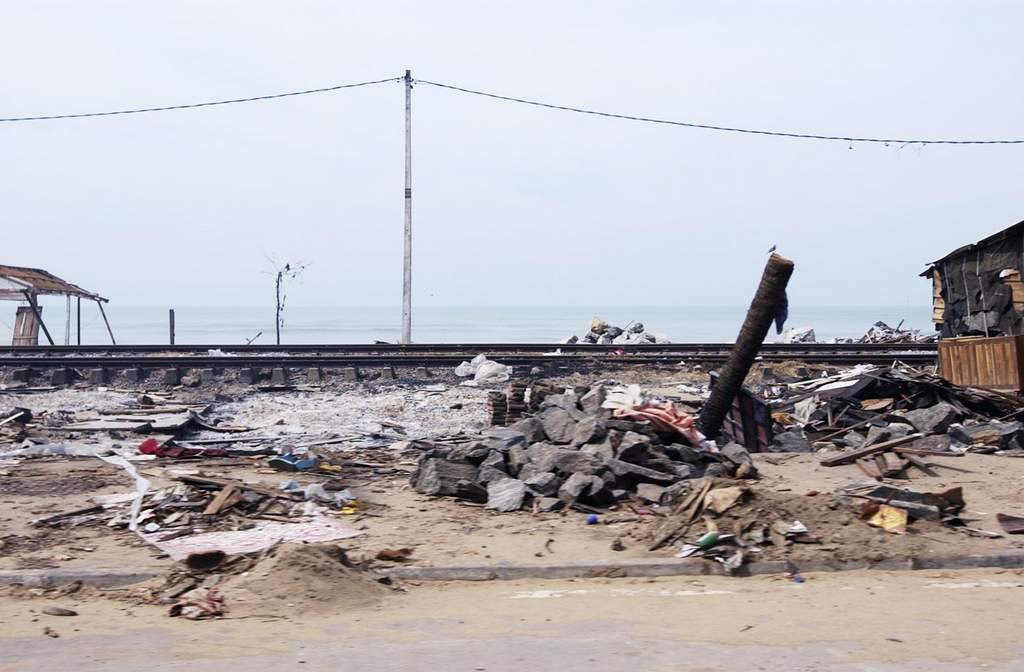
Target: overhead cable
[
  {"x": 326, "y": 89},
  {"x": 728, "y": 129}
]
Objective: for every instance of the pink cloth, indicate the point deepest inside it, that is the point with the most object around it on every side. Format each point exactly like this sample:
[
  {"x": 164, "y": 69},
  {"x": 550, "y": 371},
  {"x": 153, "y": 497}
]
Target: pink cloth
[{"x": 664, "y": 418}]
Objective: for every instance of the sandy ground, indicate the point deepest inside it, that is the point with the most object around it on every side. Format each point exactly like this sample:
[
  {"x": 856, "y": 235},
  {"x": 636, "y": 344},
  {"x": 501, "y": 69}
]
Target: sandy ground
[
  {"x": 441, "y": 531},
  {"x": 447, "y": 531},
  {"x": 848, "y": 622}
]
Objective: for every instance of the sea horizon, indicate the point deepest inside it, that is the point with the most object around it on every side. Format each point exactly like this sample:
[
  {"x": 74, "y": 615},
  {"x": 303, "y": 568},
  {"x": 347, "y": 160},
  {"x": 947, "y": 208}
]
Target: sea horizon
[{"x": 236, "y": 324}]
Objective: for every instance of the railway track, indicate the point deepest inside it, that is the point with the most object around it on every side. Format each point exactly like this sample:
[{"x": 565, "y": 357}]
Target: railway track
[{"x": 434, "y": 354}]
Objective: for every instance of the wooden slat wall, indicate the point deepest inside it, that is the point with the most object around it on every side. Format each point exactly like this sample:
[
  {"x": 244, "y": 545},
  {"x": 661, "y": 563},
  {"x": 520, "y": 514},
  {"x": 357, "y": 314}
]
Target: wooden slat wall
[
  {"x": 938, "y": 303},
  {"x": 996, "y": 362}
]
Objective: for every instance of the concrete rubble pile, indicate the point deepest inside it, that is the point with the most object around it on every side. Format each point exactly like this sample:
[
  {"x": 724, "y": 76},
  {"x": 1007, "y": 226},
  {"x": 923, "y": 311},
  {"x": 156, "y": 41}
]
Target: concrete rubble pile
[
  {"x": 879, "y": 332},
  {"x": 584, "y": 448},
  {"x": 868, "y": 411},
  {"x": 600, "y": 332}
]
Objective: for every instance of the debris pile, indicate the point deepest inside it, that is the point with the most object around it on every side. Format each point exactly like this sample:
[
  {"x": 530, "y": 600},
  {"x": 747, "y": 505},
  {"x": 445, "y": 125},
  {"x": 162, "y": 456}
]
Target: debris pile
[
  {"x": 584, "y": 448},
  {"x": 734, "y": 524},
  {"x": 879, "y": 332},
  {"x": 605, "y": 334},
  {"x": 868, "y": 411}
]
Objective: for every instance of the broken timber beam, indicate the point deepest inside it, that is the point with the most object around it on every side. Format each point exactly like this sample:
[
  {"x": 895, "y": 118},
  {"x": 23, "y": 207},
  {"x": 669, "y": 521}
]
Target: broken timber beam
[{"x": 849, "y": 456}]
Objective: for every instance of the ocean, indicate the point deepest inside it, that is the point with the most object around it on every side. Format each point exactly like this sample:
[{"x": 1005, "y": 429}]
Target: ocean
[{"x": 461, "y": 324}]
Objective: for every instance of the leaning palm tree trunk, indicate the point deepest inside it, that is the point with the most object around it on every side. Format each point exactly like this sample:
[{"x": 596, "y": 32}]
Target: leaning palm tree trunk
[{"x": 770, "y": 297}]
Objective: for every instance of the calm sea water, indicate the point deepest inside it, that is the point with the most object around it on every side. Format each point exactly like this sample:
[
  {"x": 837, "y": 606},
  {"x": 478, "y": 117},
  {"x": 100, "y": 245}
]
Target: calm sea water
[{"x": 465, "y": 324}]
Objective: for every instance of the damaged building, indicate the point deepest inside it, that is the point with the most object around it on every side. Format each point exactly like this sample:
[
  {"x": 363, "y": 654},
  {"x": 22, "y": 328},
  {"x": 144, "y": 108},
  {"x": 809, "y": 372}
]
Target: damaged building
[{"x": 977, "y": 289}]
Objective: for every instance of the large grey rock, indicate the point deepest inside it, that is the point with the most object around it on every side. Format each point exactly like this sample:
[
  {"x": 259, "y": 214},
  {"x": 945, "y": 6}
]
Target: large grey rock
[
  {"x": 528, "y": 471},
  {"x": 650, "y": 493},
  {"x": 549, "y": 504},
  {"x": 633, "y": 447},
  {"x": 716, "y": 470},
  {"x": 517, "y": 457},
  {"x": 790, "y": 442},
  {"x": 683, "y": 453},
  {"x": 437, "y": 476},
  {"x": 506, "y": 494},
  {"x": 735, "y": 453},
  {"x": 568, "y": 402},
  {"x": 934, "y": 419},
  {"x": 494, "y": 459},
  {"x": 589, "y": 430},
  {"x": 503, "y": 438},
  {"x": 559, "y": 426},
  {"x": 638, "y": 473},
  {"x": 531, "y": 428},
  {"x": 592, "y": 400},
  {"x": 474, "y": 452},
  {"x": 602, "y": 451},
  {"x": 585, "y": 489},
  {"x": 893, "y": 430},
  {"x": 548, "y": 457},
  {"x": 991, "y": 433},
  {"x": 489, "y": 474},
  {"x": 545, "y": 484}
]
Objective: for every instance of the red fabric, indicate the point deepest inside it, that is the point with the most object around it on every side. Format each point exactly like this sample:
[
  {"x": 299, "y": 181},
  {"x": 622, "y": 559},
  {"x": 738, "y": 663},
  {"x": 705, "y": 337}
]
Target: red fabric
[
  {"x": 153, "y": 447},
  {"x": 664, "y": 418}
]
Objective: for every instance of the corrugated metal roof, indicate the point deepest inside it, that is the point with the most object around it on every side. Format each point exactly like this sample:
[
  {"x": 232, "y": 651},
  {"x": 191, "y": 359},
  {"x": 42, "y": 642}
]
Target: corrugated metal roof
[
  {"x": 44, "y": 282},
  {"x": 984, "y": 242}
]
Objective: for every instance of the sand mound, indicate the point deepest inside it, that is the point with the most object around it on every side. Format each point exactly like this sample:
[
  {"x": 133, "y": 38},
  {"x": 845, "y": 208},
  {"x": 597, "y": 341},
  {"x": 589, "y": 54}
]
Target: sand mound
[{"x": 301, "y": 578}]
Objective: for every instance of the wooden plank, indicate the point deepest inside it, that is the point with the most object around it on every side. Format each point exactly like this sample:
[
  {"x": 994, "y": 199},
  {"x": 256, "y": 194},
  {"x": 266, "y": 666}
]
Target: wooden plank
[
  {"x": 223, "y": 483},
  {"x": 220, "y": 501},
  {"x": 921, "y": 465},
  {"x": 848, "y": 456},
  {"x": 870, "y": 469}
]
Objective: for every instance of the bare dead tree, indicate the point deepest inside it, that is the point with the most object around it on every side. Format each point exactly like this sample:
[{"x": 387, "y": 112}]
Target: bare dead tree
[{"x": 288, "y": 271}]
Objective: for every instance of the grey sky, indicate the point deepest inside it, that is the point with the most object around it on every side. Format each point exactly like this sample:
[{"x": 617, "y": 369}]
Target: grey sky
[{"x": 513, "y": 205}]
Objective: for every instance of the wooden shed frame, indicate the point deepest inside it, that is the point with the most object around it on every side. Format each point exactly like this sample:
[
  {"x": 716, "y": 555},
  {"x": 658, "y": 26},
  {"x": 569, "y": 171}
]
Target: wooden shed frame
[{"x": 19, "y": 283}]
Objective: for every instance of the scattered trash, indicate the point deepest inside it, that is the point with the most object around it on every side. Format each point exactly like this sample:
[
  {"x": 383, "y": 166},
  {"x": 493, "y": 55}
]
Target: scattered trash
[
  {"x": 592, "y": 519},
  {"x": 198, "y": 604},
  {"x": 1010, "y": 524},
  {"x": 59, "y": 611},
  {"x": 395, "y": 554},
  {"x": 889, "y": 518},
  {"x": 484, "y": 371}
]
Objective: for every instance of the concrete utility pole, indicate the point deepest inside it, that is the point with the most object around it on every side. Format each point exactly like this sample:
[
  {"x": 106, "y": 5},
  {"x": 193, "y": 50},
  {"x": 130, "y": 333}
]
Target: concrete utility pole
[{"x": 407, "y": 273}]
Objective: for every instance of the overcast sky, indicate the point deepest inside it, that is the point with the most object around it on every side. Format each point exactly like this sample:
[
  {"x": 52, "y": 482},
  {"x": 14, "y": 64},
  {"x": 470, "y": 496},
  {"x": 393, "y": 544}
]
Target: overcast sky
[{"x": 512, "y": 204}]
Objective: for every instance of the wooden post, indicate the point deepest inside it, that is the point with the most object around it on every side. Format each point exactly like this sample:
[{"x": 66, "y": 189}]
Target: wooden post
[
  {"x": 67, "y": 322},
  {"x": 78, "y": 320},
  {"x": 170, "y": 323},
  {"x": 770, "y": 295},
  {"x": 39, "y": 316},
  {"x": 106, "y": 322}
]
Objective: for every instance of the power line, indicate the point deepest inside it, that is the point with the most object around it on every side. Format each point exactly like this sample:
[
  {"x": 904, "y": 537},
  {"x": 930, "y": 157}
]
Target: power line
[
  {"x": 728, "y": 129},
  {"x": 565, "y": 108},
  {"x": 165, "y": 108}
]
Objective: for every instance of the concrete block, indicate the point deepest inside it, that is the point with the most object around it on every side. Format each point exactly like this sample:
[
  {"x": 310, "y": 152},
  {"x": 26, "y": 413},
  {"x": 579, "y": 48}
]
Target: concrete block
[
  {"x": 20, "y": 375},
  {"x": 387, "y": 373},
  {"x": 421, "y": 372},
  {"x": 134, "y": 374},
  {"x": 313, "y": 375},
  {"x": 172, "y": 376},
  {"x": 247, "y": 375},
  {"x": 279, "y": 376},
  {"x": 97, "y": 376},
  {"x": 207, "y": 376},
  {"x": 350, "y": 374},
  {"x": 61, "y": 376}
]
